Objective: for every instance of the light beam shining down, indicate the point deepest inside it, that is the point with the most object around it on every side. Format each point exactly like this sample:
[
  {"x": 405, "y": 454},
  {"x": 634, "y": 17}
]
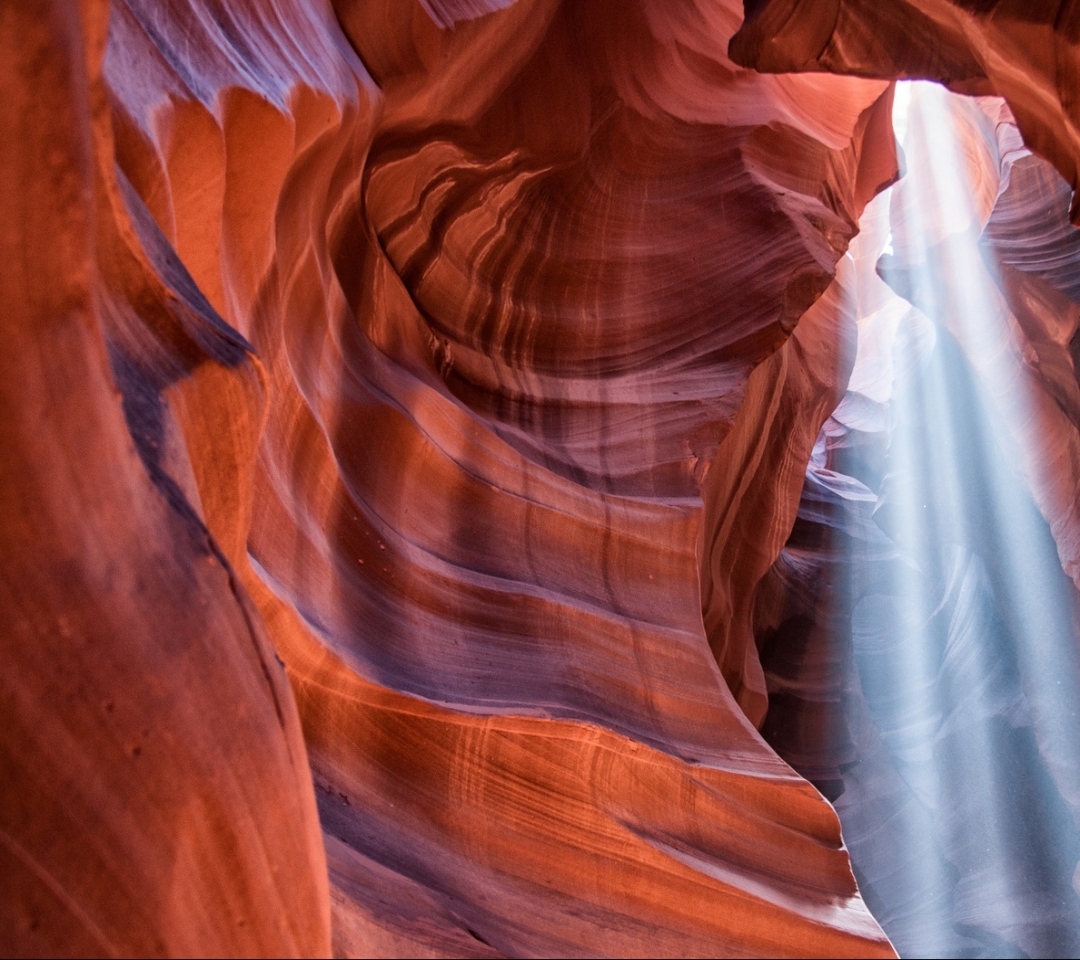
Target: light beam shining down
[{"x": 961, "y": 807}]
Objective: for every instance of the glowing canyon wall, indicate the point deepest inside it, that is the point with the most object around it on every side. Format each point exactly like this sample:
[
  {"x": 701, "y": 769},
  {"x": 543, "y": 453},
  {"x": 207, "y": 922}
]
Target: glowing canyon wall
[{"x": 404, "y": 414}]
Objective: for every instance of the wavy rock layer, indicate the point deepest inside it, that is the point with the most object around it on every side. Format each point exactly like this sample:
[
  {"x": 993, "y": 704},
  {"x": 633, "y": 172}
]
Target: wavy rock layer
[
  {"x": 482, "y": 569},
  {"x": 372, "y": 323}
]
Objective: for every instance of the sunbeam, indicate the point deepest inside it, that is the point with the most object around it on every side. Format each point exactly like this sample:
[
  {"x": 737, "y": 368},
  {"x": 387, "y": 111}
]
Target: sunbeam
[{"x": 956, "y": 759}]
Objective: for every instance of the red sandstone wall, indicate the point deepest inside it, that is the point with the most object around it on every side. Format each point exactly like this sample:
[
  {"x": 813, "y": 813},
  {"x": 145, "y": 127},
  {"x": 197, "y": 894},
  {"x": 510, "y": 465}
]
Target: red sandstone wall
[{"x": 155, "y": 788}]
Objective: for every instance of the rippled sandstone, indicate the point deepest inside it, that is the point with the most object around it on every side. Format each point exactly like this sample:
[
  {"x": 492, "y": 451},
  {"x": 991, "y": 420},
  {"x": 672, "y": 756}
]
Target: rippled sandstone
[{"x": 468, "y": 357}]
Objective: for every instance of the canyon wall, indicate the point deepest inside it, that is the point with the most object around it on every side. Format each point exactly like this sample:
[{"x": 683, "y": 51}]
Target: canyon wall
[
  {"x": 403, "y": 404},
  {"x": 1028, "y": 53}
]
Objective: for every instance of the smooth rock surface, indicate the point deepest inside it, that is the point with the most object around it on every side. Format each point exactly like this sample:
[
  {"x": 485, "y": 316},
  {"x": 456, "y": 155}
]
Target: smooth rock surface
[{"x": 155, "y": 792}]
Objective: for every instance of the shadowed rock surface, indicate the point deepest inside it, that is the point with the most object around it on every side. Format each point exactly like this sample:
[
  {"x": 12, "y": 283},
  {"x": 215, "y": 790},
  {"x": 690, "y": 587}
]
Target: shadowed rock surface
[{"x": 1028, "y": 53}]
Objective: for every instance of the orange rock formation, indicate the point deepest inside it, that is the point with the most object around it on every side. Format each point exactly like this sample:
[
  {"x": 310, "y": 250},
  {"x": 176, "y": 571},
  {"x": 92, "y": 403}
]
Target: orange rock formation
[
  {"x": 1028, "y": 53},
  {"x": 401, "y": 405}
]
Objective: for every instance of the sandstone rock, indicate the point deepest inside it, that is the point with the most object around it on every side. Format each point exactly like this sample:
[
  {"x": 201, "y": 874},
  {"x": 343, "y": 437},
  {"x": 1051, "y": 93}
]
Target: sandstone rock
[
  {"x": 1027, "y": 53},
  {"x": 469, "y": 355}
]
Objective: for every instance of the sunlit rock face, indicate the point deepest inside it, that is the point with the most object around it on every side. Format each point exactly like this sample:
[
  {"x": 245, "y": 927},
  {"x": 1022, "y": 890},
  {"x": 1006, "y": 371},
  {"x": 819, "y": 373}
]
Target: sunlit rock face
[{"x": 405, "y": 407}]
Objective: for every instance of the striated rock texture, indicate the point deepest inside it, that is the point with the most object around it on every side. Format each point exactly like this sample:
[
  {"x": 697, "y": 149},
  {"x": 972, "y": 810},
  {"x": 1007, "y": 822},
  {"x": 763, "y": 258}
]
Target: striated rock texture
[
  {"x": 349, "y": 333},
  {"x": 468, "y": 356}
]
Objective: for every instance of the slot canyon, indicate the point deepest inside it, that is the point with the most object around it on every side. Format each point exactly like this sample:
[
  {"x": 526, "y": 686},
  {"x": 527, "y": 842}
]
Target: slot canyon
[{"x": 540, "y": 478}]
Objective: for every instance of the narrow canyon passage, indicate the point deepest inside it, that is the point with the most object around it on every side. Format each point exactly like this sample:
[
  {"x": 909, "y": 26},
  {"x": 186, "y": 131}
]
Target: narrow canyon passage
[
  {"x": 931, "y": 628},
  {"x": 539, "y": 478}
]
